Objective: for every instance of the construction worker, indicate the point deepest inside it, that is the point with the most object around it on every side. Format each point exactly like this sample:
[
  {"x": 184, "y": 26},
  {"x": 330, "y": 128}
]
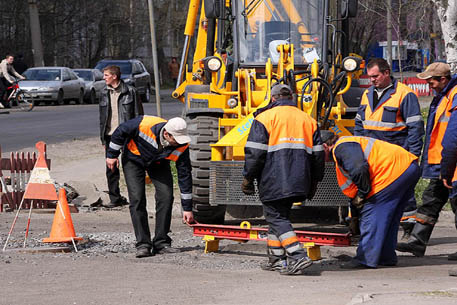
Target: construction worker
[
  {"x": 149, "y": 144},
  {"x": 436, "y": 194},
  {"x": 390, "y": 111},
  {"x": 448, "y": 166},
  {"x": 379, "y": 177},
  {"x": 284, "y": 154}
]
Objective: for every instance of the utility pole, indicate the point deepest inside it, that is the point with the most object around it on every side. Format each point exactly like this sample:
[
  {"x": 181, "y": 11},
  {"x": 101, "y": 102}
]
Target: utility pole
[
  {"x": 35, "y": 32},
  {"x": 154, "y": 57},
  {"x": 389, "y": 32}
]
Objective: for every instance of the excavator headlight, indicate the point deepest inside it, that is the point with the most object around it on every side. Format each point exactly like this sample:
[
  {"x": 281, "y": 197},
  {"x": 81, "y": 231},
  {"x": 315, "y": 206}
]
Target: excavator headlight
[
  {"x": 351, "y": 64},
  {"x": 213, "y": 63}
]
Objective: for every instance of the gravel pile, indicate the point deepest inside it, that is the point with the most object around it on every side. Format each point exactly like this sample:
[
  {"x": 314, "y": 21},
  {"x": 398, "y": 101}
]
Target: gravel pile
[{"x": 232, "y": 255}]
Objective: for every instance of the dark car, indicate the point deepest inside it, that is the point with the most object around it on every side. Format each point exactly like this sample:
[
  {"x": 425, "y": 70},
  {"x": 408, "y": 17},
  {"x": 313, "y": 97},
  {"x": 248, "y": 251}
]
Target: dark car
[
  {"x": 133, "y": 72},
  {"x": 94, "y": 84}
]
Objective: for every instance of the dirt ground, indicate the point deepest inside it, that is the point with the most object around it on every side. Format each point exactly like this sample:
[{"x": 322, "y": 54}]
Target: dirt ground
[{"x": 105, "y": 271}]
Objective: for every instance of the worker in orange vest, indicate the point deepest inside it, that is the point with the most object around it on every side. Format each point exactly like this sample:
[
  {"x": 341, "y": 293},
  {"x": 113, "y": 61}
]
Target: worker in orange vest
[
  {"x": 436, "y": 194},
  {"x": 379, "y": 177},
  {"x": 284, "y": 154},
  {"x": 390, "y": 111}
]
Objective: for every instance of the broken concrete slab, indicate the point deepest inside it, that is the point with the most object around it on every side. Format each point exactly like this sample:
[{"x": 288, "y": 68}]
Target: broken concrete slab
[{"x": 89, "y": 195}]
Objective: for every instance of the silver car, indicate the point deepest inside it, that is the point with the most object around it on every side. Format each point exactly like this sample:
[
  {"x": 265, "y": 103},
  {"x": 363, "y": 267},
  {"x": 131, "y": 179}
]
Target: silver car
[
  {"x": 94, "y": 84},
  {"x": 53, "y": 84}
]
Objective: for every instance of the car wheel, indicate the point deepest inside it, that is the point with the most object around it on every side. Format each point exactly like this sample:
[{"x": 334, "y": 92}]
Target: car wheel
[
  {"x": 80, "y": 99},
  {"x": 147, "y": 94},
  {"x": 60, "y": 98},
  {"x": 92, "y": 97}
]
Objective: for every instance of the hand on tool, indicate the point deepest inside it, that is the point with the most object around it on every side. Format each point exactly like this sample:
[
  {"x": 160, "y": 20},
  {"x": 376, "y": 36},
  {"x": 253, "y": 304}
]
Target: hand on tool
[
  {"x": 358, "y": 202},
  {"x": 248, "y": 187}
]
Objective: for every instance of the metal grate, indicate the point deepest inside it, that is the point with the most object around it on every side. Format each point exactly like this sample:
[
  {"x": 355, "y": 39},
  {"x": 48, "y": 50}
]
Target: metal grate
[{"x": 225, "y": 179}]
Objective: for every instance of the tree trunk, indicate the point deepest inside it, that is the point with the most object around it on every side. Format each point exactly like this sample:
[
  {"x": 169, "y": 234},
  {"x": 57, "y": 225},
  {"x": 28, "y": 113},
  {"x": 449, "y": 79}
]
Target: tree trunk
[{"x": 447, "y": 13}]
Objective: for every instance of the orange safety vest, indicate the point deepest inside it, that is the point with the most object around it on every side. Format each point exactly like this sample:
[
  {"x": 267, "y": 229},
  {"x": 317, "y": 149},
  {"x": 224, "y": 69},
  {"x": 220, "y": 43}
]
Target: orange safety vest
[
  {"x": 146, "y": 133},
  {"x": 386, "y": 163},
  {"x": 373, "y": 119},
  {"x": 442, "y": 117},
  {"x": 296, "y": 133}
]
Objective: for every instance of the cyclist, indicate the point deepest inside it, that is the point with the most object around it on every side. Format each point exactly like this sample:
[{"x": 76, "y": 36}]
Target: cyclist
[{"x": 6, "y": 78}]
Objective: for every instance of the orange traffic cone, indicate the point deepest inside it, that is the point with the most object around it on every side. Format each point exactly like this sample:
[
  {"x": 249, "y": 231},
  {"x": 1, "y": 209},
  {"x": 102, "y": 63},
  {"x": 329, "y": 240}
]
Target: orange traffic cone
[{"x": 62, "y": 230}]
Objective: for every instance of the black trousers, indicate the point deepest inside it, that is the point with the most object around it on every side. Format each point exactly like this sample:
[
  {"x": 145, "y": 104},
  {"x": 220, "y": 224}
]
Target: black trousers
[
  {"x": 112, "y": 177},
  {"x": 434, "y": 198},
  {"x": 4, "y": 84},
  {"x": 162, "y": 180}
]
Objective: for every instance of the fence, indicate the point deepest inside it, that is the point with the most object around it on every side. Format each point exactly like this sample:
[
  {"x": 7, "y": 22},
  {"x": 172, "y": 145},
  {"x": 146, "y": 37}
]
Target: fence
[{"x": 19, "y": 166}]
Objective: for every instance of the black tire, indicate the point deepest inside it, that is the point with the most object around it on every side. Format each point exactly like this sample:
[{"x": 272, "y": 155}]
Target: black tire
[
  {"x": 60, "y": 98},
  {"x": 25, "y": 101},
  {"x": 203, "y": 131},
  {"x": 147, "y": 94},
  {"x": 80, "y": 99},
  {"x": 245, "y": 211},
  {"x": 92, "y": 97}
]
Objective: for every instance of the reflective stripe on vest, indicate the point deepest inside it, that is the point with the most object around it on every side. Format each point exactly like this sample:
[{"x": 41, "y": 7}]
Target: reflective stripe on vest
[
  {"x": 294, "y": 133},
  {"x": 442, "y": 117},
  {"x": 145, "y": 132},
  {"x": 373, "y": 119},
  {"x": 386, "y": 162},
  {"x": 174, "y": 156}
]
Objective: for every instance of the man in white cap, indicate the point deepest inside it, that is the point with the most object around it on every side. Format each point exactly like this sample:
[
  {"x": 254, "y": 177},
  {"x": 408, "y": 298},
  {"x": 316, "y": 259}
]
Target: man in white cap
[{"x": 149, "y": 143}]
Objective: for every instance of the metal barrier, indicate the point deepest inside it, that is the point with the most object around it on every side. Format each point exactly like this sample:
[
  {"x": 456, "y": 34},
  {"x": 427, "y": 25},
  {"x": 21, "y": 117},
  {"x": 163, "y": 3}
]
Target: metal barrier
[{"x": 19, "y": 165}]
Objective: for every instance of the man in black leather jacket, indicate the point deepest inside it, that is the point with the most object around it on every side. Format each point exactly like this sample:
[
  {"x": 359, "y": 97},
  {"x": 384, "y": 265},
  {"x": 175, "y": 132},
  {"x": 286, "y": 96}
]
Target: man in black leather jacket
[{"x": 119, "y": 103}]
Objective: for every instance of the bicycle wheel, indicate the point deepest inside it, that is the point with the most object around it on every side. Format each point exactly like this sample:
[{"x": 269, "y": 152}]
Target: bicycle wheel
[{"x": 25, "y": 101}]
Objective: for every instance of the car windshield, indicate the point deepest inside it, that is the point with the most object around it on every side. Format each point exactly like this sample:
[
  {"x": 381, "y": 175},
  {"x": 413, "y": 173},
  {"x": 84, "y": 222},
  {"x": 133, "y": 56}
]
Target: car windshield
[
  {"x": 263, "y": 25},
  {"x": 43, "y": 74},
  {"x": 126, "y": 67},
  {"x": 84, "y": 74}
]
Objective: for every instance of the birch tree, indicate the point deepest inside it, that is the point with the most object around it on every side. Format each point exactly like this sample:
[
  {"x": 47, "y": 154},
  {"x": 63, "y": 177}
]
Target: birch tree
[{"x": 447, "y": 13}]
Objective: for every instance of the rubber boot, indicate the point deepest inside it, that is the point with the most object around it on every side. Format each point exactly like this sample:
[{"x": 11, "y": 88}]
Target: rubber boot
[
  {"x": 417, "y": 243},
  {"x": 407, "y": 229}
]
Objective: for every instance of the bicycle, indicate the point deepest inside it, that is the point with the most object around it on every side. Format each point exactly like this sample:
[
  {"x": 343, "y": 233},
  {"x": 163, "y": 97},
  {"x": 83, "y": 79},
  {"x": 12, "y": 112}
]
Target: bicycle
[{"x": 19, "y": 98}]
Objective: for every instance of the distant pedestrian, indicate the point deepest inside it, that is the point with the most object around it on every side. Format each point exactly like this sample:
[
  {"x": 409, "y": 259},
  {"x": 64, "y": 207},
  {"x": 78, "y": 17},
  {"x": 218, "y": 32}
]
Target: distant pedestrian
[
  {"x": 119, "y": 103},
  {"x": 7, "y": 78},
  {"x": 173, "y": 68},
  {"x": 284, "y": 154}
]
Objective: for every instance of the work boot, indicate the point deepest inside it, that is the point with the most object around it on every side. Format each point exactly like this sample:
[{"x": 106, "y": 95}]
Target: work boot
[
  {"x": 417, "y": 243},
  {"x": 407, "y": 229},
  {"x": 296, "y": 266},
  {"x": 452, "y": 257},
  {"x": 276, "y": 265},
  {"x": 143, "y": 252}
]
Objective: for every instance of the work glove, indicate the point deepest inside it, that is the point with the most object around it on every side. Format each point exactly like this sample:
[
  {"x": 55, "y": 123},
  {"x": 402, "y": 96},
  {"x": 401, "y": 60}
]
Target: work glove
[
  {"x": 247, "y": 187},
  {"x": 358, "y": 202}
]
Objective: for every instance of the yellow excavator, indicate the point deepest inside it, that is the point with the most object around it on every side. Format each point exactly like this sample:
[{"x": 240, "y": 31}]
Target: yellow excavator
[{"x": 234, "y": 51}]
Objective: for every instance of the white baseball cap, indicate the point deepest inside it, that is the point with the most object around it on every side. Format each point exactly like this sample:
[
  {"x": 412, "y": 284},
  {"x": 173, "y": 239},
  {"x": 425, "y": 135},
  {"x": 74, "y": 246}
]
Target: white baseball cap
[{"x": 177, "y": 127}]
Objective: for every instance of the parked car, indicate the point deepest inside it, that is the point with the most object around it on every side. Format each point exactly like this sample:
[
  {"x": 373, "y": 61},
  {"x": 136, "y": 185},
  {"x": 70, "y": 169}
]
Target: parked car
[
  {"x": 94, "y": 84},
  {"x": 53, "y": 84},
  {"x": 134, "y": 73}
]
